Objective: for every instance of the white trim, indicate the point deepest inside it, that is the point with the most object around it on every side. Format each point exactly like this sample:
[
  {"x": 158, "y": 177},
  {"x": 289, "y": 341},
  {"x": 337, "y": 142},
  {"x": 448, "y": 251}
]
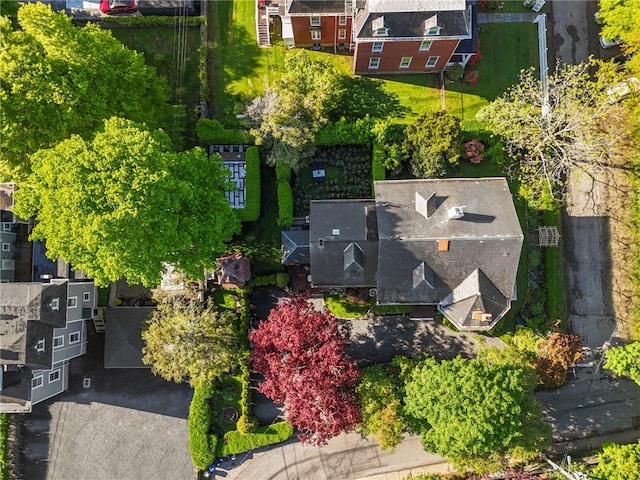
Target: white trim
[
  {"x": 6, "y": 247},
  {"x": 41, "y": 346},
  {"x": 36, "y": 382},
  {"x": 72, "y": 302},
  {"x": 54, "y": 373},
  {"x": 55, "y": 304},
  {"x": 381, "y": 32},
  {"x": 404, "y": 64},
  {"x": 374, "y": 63},
  {"x": 342, "y": 34},
  {"x": 315, "y": 21},
  {"x": 432, "y": 62},
  {"x": 377, "y": 47},
  {"x": 342, "y": 20},
  {"x": 432, "y": 31},
  {"x": 55, "y": 347},
  {"x": 316, "y": 35},
  {"x": 86, "y": 296},
  {"x": 425, "y": 45},
  {"x": 71, "y": 340}
]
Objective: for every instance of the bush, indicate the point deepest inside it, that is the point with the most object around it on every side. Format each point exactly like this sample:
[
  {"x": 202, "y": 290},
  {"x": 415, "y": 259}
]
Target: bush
[
  {"x": 285, "y": 204},
  {"x": 5, "y": 466},
  {"x": 474, "y": 149},
  {"x": 343, "y": 132},
  {"x": 378, "y": 172},
  {"x": 272, "y": 279},
  {"x": 282, "y": 280},
  {"x": 391, "y": 309},
  {"x": 213, "y": 132},
  {"x": 152, "y": 20},
  {"x": 202, "y": 445},
  {"x": 235, "y": 443},
  {"x": 251, "y": 211}
]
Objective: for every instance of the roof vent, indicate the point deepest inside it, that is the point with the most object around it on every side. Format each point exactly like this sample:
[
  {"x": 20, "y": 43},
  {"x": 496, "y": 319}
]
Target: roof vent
[
  {"x": 455, "y": 213},
  {"x": 335, "y": 232},
  {"x": 321, "y": 242},
  {"x": 443, "y": 245}
]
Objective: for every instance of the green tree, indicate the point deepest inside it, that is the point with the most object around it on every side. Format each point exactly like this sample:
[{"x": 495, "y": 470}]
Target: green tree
[
  {"x": 618, "y": 462},
  {"x": 621, "y": 19},
  {"x": 578, "y": 128},
  {"x": 57, "y": 79},
  {"x": 433, "y": 144},
  {"x": 184, "y": 339},
  {"x": 122, "y": 204},
  {"x": 625, "y": 361},
  {"x": 476, "y": 414},
  {"x": 287, "y": 117},
  {"x": 381, "y": 406}
]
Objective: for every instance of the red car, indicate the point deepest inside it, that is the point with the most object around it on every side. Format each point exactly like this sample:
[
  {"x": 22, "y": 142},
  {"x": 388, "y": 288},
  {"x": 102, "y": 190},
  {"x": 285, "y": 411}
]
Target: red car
[{"x": 117, "y": 6}]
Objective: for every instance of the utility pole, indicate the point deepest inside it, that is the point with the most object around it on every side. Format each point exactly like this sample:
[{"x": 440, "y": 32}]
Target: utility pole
[{"x": 569, "y": 475}]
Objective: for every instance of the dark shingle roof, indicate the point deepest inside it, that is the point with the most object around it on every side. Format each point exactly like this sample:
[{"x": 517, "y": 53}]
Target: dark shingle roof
[
  {"x": 123, "y": 336},
  {"x": 316, "y": 7},
  {"x": 295, "y": 247}
]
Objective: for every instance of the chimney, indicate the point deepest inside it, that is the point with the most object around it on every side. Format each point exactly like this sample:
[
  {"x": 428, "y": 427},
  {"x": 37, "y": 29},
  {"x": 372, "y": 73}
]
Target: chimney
[
  {"x": 455, "y": 213},
  {"x": 425, "y": 206}
]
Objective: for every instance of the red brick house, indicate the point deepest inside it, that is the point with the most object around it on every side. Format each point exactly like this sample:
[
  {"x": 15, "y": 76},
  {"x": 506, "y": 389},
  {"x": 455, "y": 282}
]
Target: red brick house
[{"x": 385, "y": 36}]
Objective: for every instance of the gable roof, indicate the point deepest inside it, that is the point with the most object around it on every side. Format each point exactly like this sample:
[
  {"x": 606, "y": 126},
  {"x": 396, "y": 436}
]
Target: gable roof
[
  {"x": 123, "y": 336},
  {"x": 344, "y": 246},
  {"x": 233, "y": 270},
  {"x": 295, "y": 247}
]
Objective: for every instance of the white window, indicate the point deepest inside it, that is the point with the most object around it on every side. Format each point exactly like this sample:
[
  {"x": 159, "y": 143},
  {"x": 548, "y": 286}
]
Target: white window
[
  {"x": 342, "y": 34},
  {"x": 342, "y": 21},
  {"x": 58, "y": 342},
  {"x": 41, "y": 345},
  {"x": 54, "y": 376},
  {"x": 405, "y": 62},
  {"x": 315, "y": 35},
  {"x": 315, "y": 21},
  {"x": 432, "y": 62},
  {"x": 8, "y": 264},
  {"x": 374, "y": 63},
  {"x": 425, "y": 46},
  {"x": 36, "y": 381},
  {"x": 381, "y": 32},
  {"x": 435, "y": 30},
  {"x": 55, "y": 304},
  {"x": 72, "y": 302},
  {"x": 6, "y": 247},
  {"x": 86, "y": 296},
  {"x": 74, "y": 337},
  {"x": 376, "y": 47}
]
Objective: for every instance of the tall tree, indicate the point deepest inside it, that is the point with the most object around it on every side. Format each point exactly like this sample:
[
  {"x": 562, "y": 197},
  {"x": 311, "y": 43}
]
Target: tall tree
[
  {"x": 556, "y": 354},
  {"x": 475, "y": 413},
  {"x": 433, "y": 144},
  {"x": 57, "y": 79},
  {"x": 288, "y": 115},
  {"x": 184, "y": 339},
  {"x": 548, "y": 137},
  {"x": 301, "y": 353},
  {"x": 621, "y": 19},
  {"x": 122, "y": 204},
  {"x": 618, "y": 462},
  {"x": 625, "y": 361}
]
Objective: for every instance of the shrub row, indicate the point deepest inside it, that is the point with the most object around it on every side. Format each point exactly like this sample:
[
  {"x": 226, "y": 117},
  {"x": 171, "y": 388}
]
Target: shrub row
[
  {"x": 152, "y": 20},
  {"x": 378, "y": 172},
  {"x": 285, "y": 204},
  {"x": 202, "y": 445},
  {"x": 391, "y": 309},
  {"x": 251, "y": 211},
  {"x": 247, "y": 423},
  {"x": 343, "y": 132},
  {"x": 211, "y": 131},
  {"x": 235, "y": 443},
  {"x": 279, "y": 279},
  {"x": 5, "y": 465}
]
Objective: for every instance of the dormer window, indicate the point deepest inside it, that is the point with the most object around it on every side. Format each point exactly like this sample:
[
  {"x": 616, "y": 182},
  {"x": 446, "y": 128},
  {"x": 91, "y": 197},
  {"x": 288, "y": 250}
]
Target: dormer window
[
  {"x": 55, "y": 304},
  {"x": 40, "y": 346},
  {"x": 379, "y": 30},
  {"x": 314, "y": 21},
  {"x": 431, "y": 26}
]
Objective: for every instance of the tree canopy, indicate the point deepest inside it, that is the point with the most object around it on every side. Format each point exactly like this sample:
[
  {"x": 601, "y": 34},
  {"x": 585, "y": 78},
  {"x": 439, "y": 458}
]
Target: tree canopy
[
  {"x": 579, "y": 128},
  {"x": 301, "y": 353},
  {"x": 433, "y": 144},
  {"x": 123, "y": 205},
  {"x": 57, "y": 79},
  {"x": 625, "y": 361},
  {"x": 621, "y": 20},
  {"x": 289, "y": 114},
  {"x": 618, "y": 462},
  {"x": 475, "y": 413},
  {"x": 184, "y": 338}
]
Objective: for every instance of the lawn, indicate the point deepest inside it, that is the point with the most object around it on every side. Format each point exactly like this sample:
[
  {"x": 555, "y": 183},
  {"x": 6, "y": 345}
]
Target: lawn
[{"x": 158, "y": 45}]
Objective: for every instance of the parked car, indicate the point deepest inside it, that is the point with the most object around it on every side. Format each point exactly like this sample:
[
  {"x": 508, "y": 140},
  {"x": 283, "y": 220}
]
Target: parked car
[
  {"x": 117, "y": 6},
  {"x": 597, "y": 17},
  {"x": 622, "y": 89},
  {"x": 606, "y": 43}
]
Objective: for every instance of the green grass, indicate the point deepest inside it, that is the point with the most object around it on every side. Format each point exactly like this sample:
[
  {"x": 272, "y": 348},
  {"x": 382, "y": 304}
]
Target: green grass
[
  {"x": 339, "y": 306},
  {"x": 225, "y": 298},
  {"x": 157, "y": 44},
  {"x": 5, "y": 467},
  {"x": 219, "y": 403},
  {"x": 235, "y": 443}
]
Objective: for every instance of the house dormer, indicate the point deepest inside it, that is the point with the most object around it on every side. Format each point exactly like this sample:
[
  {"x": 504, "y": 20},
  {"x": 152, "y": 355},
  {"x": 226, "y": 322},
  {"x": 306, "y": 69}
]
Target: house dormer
[
  {"x": 431, "y": 26},
  {"x": 379, "y": 30}
]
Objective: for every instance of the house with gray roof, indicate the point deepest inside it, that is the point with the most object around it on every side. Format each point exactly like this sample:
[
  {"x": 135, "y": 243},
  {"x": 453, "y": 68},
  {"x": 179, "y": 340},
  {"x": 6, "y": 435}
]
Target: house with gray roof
[
  {"x": 453, "y": 243},
  {"x": 42, "y": 327}
]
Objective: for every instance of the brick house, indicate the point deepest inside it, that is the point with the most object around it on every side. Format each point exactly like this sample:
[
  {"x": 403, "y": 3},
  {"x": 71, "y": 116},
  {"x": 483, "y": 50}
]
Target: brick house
[{"x": 385, "y": 36}]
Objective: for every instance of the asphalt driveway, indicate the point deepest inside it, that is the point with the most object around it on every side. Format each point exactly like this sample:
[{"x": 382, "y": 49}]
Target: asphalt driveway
[{"x": 128, "y": 425}]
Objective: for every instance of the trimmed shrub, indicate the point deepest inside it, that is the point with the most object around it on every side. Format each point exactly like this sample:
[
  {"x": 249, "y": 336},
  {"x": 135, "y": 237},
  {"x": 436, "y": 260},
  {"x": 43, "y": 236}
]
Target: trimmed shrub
[
  {"x": 282, "y": 280},
  {"x": 378, "y": 172},
  {"x": 202, "y": 445},
  {"x": 283, "y": 173},
  {"x": 285, "y": 204},
  {"x": 273, "y": 279},
  {"x": 343, "y": 132},
  {"x": 235, "y": 443},
  {"x": 5, "y": 465},
  {"x": 391, "y": 309},
  {"x": 251, "y": 211},
  {"x": 211, "y": 131}
]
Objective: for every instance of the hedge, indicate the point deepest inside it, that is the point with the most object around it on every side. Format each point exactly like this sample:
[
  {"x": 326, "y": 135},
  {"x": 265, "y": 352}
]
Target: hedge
[
  {"x": 283, "y": 173},
  {"x": 251, "y": 210},
  {"x": 281, "y": 280},
  {"x": 343, "y": 132},
  {"x": 285, "y": 204},
  {"x": 378, "y": 172},
  {"x": 235, "y": 443},
  {"x": 5, "y": 465},
  {"x": 153, "y": 20},
  {"x": 211, "y": 131},
  {"x": 202, "y": 445}
]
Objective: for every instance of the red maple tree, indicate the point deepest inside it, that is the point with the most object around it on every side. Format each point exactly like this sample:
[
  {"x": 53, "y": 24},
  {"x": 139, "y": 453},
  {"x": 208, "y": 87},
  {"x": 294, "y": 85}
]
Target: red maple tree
[{"x": 301, "y": 353}]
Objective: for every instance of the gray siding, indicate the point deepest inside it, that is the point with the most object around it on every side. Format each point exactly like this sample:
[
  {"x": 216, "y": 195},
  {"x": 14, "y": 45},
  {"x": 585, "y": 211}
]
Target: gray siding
[
  {"x": 50, "y": 388},
  {"x": 78, "y": 290},
  {"x": 69, "y": 350},
  {"x": 7, "y": 257}
]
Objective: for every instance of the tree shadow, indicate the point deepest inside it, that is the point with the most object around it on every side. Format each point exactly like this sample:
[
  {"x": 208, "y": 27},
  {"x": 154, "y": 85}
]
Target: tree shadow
[{"x": 366, "y": 95}]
